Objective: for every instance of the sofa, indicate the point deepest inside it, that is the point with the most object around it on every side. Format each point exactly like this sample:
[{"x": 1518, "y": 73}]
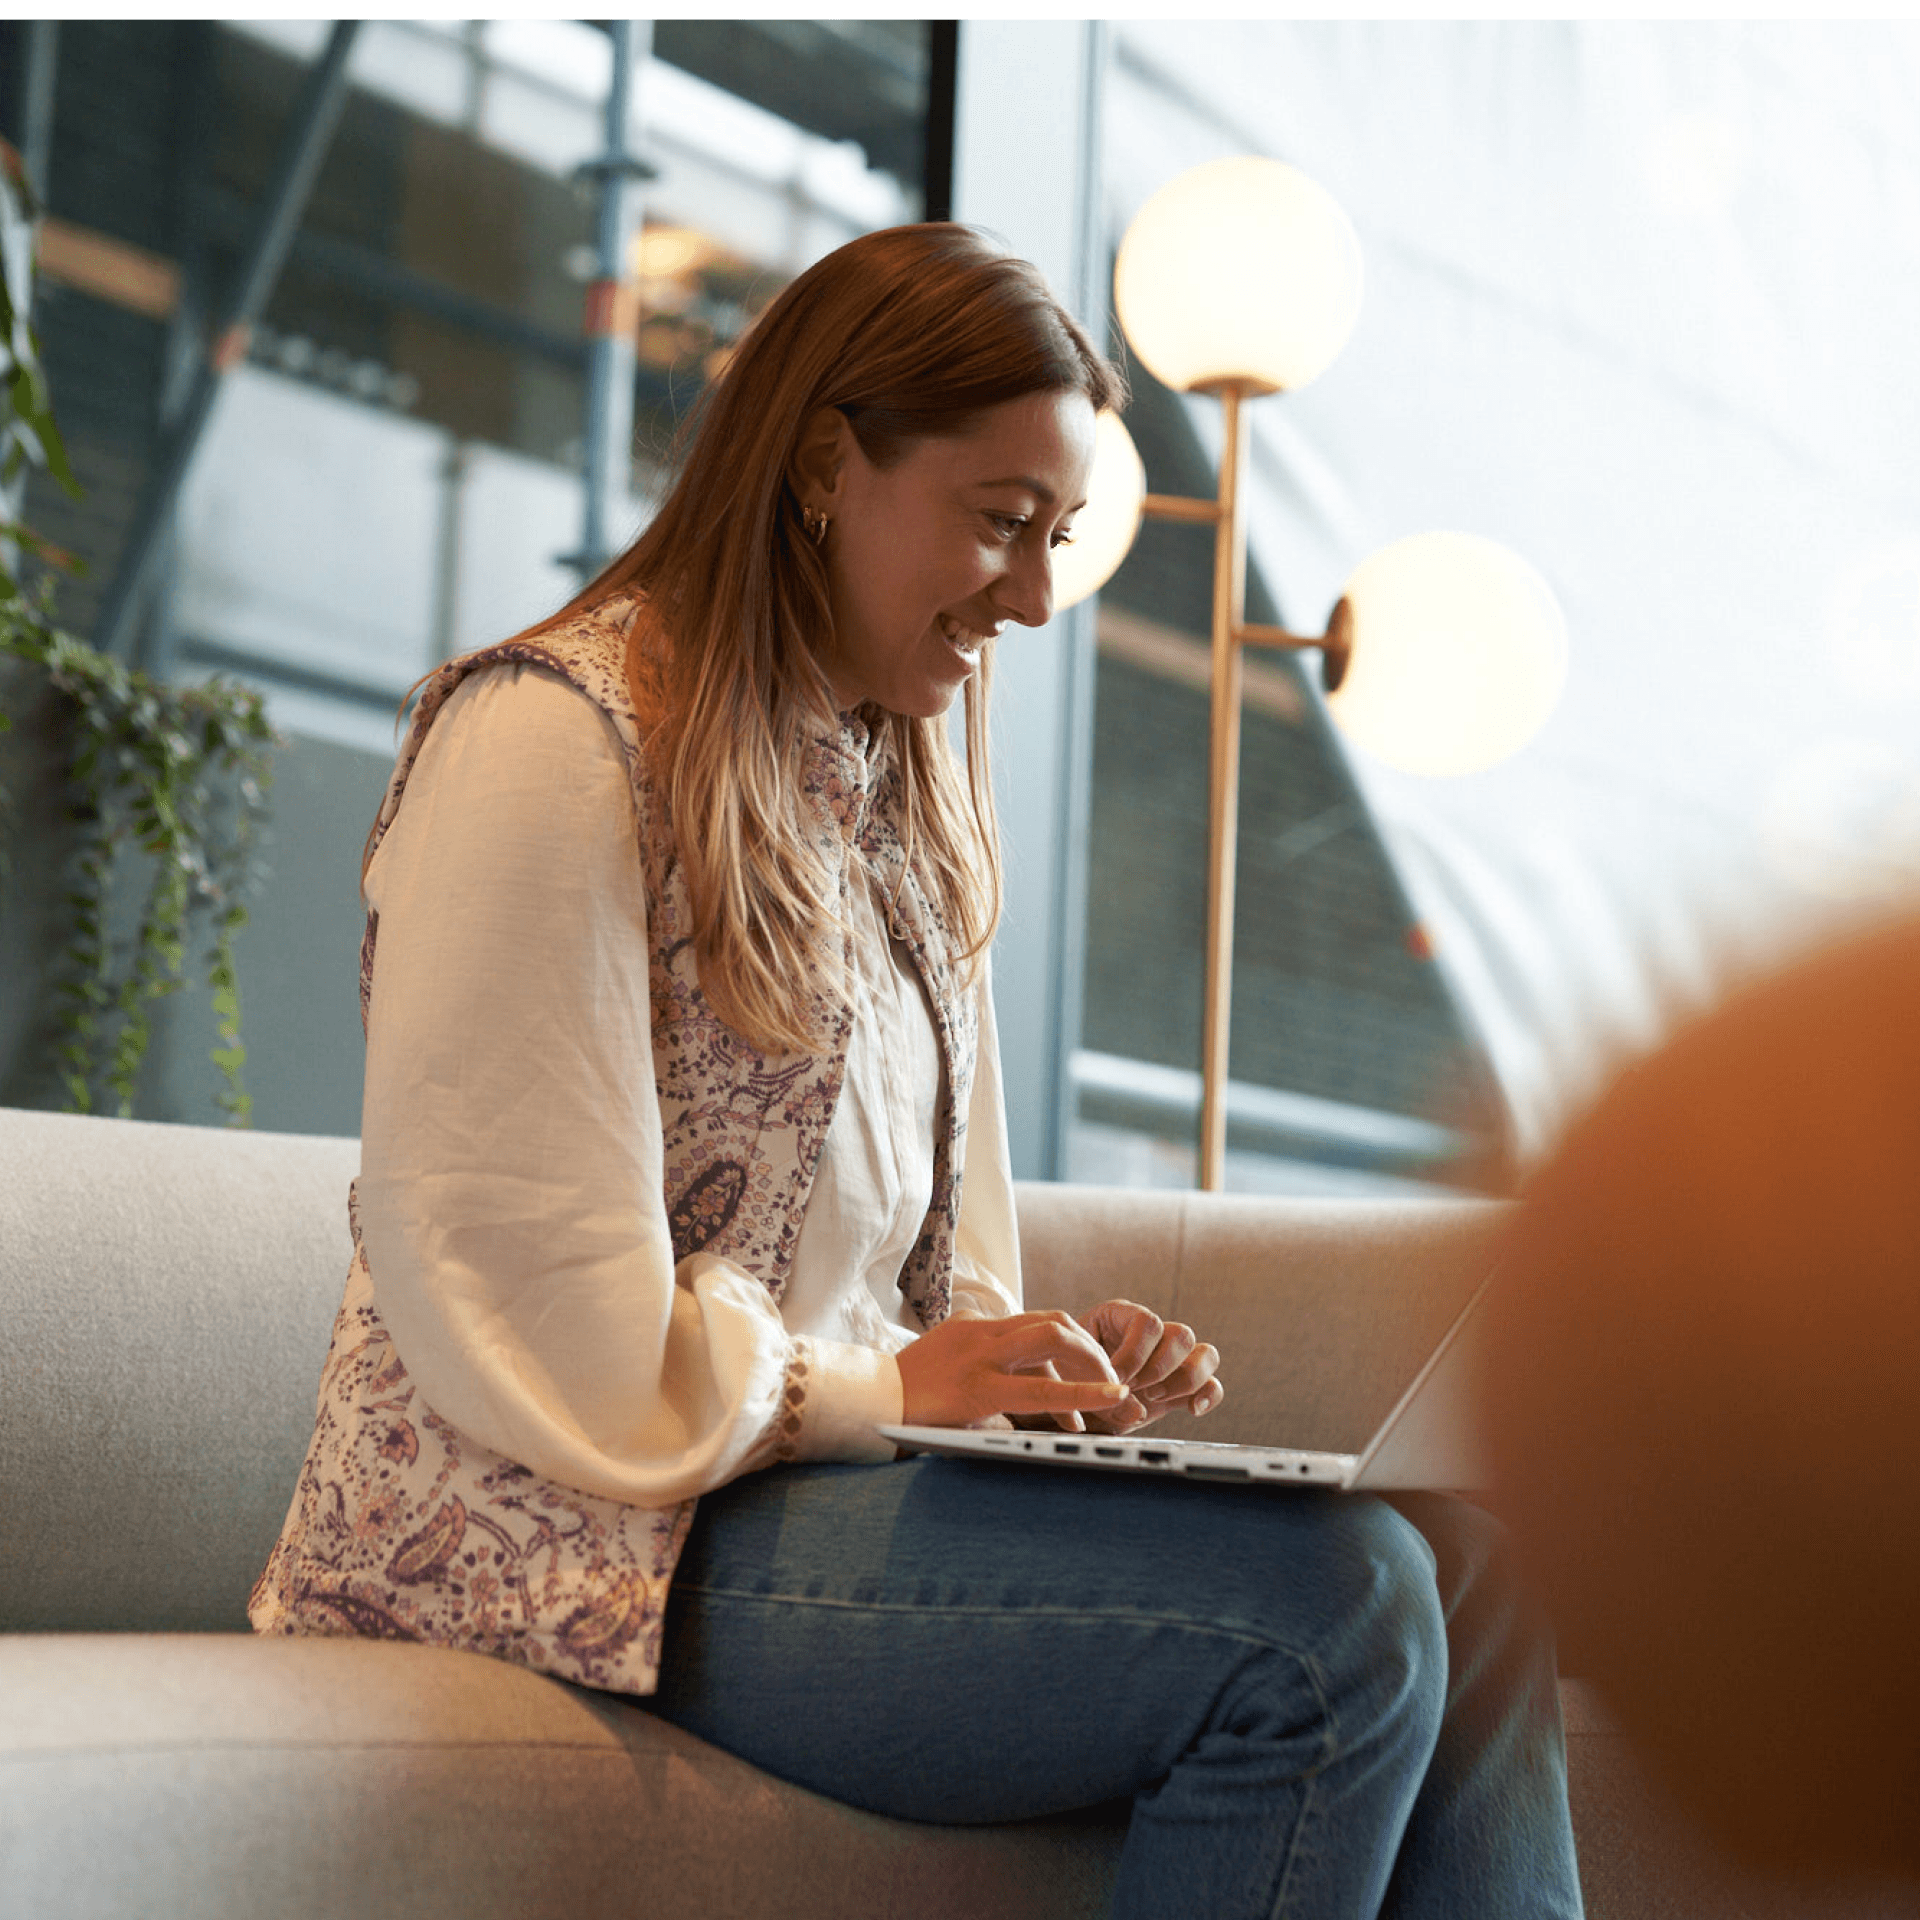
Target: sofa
[{"x": 167, "y": 1295}]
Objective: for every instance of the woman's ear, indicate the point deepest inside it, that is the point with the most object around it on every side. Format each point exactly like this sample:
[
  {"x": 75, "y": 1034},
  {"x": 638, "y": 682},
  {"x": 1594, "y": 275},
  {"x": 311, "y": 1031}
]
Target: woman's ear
[{"x": 819, "y": 458}]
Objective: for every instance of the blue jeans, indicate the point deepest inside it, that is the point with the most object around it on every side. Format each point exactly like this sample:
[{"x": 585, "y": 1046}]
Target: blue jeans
[{"x": 1319, "y": 1705}]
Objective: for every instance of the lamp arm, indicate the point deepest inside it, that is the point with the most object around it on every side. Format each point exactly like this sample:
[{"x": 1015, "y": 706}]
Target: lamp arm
[
  {"x": 1180, "y": 506},
  {"x": 1336, "y": 644}
]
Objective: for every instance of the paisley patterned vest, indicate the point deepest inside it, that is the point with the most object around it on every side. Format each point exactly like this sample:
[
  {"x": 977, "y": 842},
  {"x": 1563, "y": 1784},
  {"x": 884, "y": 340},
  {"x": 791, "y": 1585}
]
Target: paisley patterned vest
[{"x": 401, "y": 1526}]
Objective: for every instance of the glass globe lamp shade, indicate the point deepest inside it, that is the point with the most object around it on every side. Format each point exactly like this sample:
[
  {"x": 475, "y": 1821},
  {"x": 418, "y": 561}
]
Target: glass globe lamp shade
[
  {"x": 1104, "y": 528},
  {"x": 1459, "y": 654},
  {"x": 1240, "y": 270}
]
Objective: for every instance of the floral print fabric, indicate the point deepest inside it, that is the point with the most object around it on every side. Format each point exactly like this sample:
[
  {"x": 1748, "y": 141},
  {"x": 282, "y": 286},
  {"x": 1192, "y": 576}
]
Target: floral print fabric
[{"x": 402, "y": 1526}]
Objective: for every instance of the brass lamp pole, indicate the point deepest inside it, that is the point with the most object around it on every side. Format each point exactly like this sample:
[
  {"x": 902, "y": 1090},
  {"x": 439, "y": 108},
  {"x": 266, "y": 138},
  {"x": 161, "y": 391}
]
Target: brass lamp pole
[{"x": 1231, "y": 632}]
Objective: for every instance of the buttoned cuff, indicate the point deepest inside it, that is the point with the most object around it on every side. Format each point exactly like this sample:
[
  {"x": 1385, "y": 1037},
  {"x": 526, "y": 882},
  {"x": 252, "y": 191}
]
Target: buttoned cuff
[{"x": 849, "y": 1392}]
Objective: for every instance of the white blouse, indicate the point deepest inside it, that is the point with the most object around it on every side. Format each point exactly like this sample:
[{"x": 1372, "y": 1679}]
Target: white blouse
[{"x": 510, "y": 1193}]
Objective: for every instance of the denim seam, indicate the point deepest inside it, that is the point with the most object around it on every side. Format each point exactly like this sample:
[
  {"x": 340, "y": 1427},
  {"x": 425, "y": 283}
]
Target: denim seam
[
  {"x": 1307, "y": 1664},
  {"x": 1296, "y": 1845},
  {"x": 1115, "y": 1616}
]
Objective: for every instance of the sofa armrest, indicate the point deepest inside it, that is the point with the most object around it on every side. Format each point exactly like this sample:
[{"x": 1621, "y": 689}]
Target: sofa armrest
[
  {"x": 1323, "y": 1310},
  {"x": 168, "y": 1293}
]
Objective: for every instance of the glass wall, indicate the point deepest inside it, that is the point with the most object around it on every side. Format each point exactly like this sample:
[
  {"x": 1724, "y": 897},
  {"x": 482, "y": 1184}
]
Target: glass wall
[
  {"x": 1640, "y": 303},
  {"x": 394, "y": 474}
]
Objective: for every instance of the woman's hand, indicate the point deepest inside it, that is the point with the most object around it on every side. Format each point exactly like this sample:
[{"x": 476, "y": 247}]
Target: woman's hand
[
  {"x": 1164, "y": 1365},
  {"x": 966, "y": 1370}
]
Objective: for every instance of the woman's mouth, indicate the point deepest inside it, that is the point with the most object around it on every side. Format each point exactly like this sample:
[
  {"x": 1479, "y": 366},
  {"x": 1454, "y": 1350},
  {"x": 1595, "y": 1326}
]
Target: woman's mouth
[{"x": 965, "y": 641}]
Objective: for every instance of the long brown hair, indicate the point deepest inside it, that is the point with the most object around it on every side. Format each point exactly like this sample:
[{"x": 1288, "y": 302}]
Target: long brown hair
[{"x": 912, "y": 333}]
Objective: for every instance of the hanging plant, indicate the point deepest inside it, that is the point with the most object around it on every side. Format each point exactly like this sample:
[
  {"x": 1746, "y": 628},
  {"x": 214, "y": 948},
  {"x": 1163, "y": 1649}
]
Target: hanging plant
[{"x": 175, "y": 774}]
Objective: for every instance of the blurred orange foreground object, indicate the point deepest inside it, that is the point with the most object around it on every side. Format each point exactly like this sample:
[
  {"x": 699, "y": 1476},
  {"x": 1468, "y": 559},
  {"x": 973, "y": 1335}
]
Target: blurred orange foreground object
[{"x": 1704, "y": 1409}]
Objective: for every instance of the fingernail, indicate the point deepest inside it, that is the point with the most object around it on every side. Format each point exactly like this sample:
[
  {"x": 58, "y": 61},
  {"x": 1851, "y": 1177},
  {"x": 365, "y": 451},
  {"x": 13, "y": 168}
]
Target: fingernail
[{"x": 1115, "y": 1389}]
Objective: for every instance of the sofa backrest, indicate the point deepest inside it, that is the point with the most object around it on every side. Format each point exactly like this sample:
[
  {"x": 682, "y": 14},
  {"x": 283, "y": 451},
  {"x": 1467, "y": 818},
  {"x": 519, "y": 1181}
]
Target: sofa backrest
[
  {"x": 166, "y": 1294},
  {"x": 1323, "y": 1309}
]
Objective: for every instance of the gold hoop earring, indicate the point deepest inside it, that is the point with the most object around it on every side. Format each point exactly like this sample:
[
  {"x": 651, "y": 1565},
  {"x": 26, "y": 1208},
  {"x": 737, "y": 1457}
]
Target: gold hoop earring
[{"x": 815, "y": 522}]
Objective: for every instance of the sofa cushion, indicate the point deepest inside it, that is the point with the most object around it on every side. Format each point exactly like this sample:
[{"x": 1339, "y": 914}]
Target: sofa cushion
[{"x": 214, "y": 1775}]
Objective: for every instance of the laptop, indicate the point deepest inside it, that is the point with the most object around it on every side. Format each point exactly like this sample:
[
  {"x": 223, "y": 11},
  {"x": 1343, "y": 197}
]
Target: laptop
[{"x": 1430, "y": 1440}]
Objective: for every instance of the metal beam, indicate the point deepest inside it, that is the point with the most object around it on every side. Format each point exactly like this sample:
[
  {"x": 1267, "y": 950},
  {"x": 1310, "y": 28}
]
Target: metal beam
[
  {"x": 943, "y": 73},
  {"x": 308, "y": 677},
  {"x": 36, "y": 104},
  {"x": 1085, "y": 279},
  {"x": 361, "y": 268},
  {"x": 612, "y": 304},
  {"x": 310, "y": 134}
]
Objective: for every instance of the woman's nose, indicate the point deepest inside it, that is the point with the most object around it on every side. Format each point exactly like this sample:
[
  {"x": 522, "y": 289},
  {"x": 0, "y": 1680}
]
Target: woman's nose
[{"x": 1026, "y": 593}]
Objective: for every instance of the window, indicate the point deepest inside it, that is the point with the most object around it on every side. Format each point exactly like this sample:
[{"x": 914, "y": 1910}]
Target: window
[{"x": 393, "y": 475}]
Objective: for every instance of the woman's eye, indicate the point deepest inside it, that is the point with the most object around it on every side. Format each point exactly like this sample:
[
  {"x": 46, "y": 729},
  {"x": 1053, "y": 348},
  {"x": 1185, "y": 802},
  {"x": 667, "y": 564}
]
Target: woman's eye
[
  {"x": 1007, "y": 525},
  {"x": 1062, "y": 540}
]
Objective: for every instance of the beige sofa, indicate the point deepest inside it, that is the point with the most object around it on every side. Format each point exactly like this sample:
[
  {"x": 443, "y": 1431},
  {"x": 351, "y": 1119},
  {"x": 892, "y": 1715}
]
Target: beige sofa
[{"x": 167, "y": 1294}]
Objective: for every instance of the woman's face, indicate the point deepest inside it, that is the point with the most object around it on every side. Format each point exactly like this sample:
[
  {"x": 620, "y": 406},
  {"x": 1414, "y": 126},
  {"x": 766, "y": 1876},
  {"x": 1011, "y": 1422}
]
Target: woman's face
[{"x": 928, "y": 559}]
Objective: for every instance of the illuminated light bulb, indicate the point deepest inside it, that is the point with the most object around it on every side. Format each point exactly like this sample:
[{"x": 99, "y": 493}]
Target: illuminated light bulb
[
  {"x": 1459, "y": 654},
  {"x": 1104, "y": 528},
  {"x": 1240, "y": 270}
]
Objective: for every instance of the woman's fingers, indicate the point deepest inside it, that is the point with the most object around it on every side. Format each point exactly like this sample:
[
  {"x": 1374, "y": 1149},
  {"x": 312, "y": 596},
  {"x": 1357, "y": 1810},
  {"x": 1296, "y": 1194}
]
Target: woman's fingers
[
  {"x": 1073, "y": 1358},
  {"x": 1129, "y": 1333},
  {"x": 1020, "y": 1393},
  {"x": 1124, "y": 1368},
  {"x": 1055, "y": 1339},
  {"x": 1068, "y": 1422},
  {"x": 1171, "y": 1352},
  {"x": 1165, "y": 1364},
  {"x": 1208, "y": 1397},
  {"x": 1162, "y": 1360},
  {"x": 1191, "y": 1388},
  {"x": 1124, "y": 1418},
  {"x": 1028, "y": 1363},
  {"x": 1196, "y": 1369}
]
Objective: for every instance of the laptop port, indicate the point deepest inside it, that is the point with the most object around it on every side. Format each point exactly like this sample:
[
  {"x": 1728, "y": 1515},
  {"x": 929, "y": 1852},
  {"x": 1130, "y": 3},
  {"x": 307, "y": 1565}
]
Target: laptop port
[
  {"x": 1068, "y": 1447},
  {"x": 1154, "y": 1456},
  {"x": 1109, "y": 1453}
]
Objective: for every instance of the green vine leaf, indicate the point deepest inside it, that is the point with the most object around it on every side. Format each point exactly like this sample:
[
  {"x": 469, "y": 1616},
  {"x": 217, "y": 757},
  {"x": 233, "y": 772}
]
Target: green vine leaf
[{"x": 178, "y": 776}]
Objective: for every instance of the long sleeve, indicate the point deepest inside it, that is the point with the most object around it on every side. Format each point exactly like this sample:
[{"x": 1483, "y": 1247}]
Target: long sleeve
[{"x": 511, "y": 1189}]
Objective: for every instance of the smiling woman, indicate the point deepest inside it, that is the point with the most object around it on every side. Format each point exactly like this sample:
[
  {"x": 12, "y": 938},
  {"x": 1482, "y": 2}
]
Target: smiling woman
[
  {"x": 930, "y": 557},
  {"x": 684, "y": 1169}
]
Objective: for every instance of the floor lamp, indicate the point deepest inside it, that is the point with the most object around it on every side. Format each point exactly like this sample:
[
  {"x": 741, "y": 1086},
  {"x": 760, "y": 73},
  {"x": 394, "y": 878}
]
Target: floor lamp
[{"x": 1444, "y": 653}]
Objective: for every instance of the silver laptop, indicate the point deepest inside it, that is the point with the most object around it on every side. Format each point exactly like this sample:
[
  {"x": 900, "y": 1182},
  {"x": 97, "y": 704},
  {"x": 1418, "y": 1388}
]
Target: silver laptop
[{"x": 1431, "y": 1439}]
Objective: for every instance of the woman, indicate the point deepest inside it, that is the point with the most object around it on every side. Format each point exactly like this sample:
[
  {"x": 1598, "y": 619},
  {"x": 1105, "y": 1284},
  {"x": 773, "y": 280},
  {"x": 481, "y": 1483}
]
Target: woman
[{"x": 679, "y": 1045}]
